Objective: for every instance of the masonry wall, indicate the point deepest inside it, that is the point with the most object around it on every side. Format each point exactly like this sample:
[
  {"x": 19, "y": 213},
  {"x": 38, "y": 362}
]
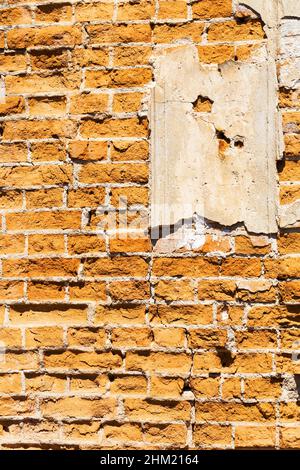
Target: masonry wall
[{"x": 110, "y": 342}]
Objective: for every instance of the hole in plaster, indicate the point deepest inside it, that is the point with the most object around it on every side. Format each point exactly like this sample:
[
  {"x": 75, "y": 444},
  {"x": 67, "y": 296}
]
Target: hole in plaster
[
  {"x": 203, "y": 104},
  {"x": 238, "y": 143}
]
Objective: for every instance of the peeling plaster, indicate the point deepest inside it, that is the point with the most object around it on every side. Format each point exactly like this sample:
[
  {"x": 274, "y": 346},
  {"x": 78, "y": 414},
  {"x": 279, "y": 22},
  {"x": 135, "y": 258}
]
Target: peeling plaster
[{"x": 192, "y": 171}]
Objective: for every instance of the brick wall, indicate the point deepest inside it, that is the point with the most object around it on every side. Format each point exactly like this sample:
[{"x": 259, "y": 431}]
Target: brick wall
[{"x": 107, "y": 342}]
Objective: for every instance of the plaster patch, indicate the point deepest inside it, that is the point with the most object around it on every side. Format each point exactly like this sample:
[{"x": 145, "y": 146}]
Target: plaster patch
[{"x": 220, "y": 164}]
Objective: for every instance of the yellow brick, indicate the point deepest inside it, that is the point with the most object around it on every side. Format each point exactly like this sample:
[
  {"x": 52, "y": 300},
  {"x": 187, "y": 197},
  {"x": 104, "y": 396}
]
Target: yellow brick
[
  {"x": 174, "y": 290},
  {"x": 205, "y": 387},
  {"x": 118, "y": 33},
  {"x": 130, "y": 244},
  {"x": 10, "y": 200},
  {"x": 53, "y": 13},
  {"x": 46, "y": 36},
  {"x": 48, "y": 106},
  {"x": 88, "y": 383},
  {"x": 10, "y": 338},
  {"x": 76, "y": 407},
  {"x": 289, "y": 412},
  {"x": 290, "y": 291},
  {"x": 10, "y": 153},
  {"x": 86, "y": 103},
  {"x": 82, "y": 360},
  {"x": 127, "y": 102},
  {"x": 256, "y": 339},
  {"x": 12, "y": 244},
  {"x": 156, "y": 411},
  {"x": 123, "y": 432},
  {"x": 48, "y": 151},
  {"x": 290, "y": 171},
  {"x": 193, "y": 267},
  {"x": 158, "y": 362},
  {"x": 244, "y": 267},
  {"x": 114, "y": 173},
  {"x": 231, "y": 388},
  {"x": 131, "y": 337},
  {"x": 289, "y": 243},
  {"x": 86, "y": 197},
  {"x": 17, "y": 406},
  {"x": 48, "y": 59},
  {"x": 169, "y": 337},
  {"x": 60, "y": 314},
  {"x": 87, "y": 150},
  {"x": 87, "y": 291},
  {"x": 19, "y": 361},
  {"x": 12, "y": 105},
  {"x": 11, "y": 384},
  {"x": 169, "y": 33},
  {"x": 235, "y": 412},
  {"x": 181, "y": 315},
  {"x": 87, "y": 337},
  {"x": 118, "y": 78},
  {"x": 15, "y": 16},
  {"x": 116, "y": 266},
  {"x": 207, "y": 338},
  {"x": 126, "y": 151},
  {"x": 44, "y": 198},
  {"x": 208, "y": 9},
  {"x": 233, "y": 31},
  {"x": 49, "y": 220},
  {"x": 88, "y": 57},
  {"x": 284, "y": 315},
  {"x": 217, "y": 290},
  {"x": 128, "y": 385},
  {"x": 140, "y": 10},
  {"x": 120, "y": 315},
  {"x": 94, "y": 11},
  {"x": 42, "y": 82},
  {"x": 45, "y": 291},
  {"x": 11, "y": 290},
  {"x": 174, "y": 434},
  {"x": 289, "y": 194},
  {"x": 212, "y": 435},
  {"x": 131, "y": 55},
  {"x": 166, "y": 387},
  {"x": 26, "y": 177},
  {"x": 256, "y": 437},
  {"x": 44, "y": 337},
  {"x": 290, "y": 437},
  {"x": 127, "y": 127},
  {"x": 172, "y": 9},
  {"x": 129, "y": 290},
  {"x": 79, "y": 432},
  {"x": 261, "y": 388},
  {"x": 46, "y": 244},
  {"x": 80, "y": 244},
  {"x": 12, "y": 62},
  {"x": 21, "y": 130}
]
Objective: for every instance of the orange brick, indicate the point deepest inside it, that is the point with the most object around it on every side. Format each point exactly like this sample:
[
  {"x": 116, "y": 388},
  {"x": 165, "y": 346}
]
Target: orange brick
[
  {"x": 181, "y": 315},
  {"x": 87, "y": 291},
  {"x": 87, "y": 337},
  {"x": 46, "y": 244},
  {"x": 208, "y": 9},
  {"x": 48, "y": 151},
  {"x": 119, "y": 33},
  {"x": 88, "y": 103},
  {"x": 44, "y": 198},
  {"x": 128, "y": 384},
  {"x": 233, "y": 31},
  {"x": 174, "y": 290},
  {"x": 129, "y": 290},
  {"x": 86, "y": 197},
  {"x": 116, "y": 267},
  {"x": 166, "y": 387},
  {"x": 167, "y": 33},
  {"x": 83, "y": 244},
  {"x": 60, "y": 314},
  {"x": 84, "y": 150},
  {"x": 132, "y": 314},
  {"x": 158, "y": 362},
  {"x": 92, "y": 11},
  {"x": 76, "y": 407},
  {"x": 127, "y": 127},
  {"x": 46, "y": 36},
  {"x": 255, "y": 437},
  {"x": 44, "y": 337},
  {"x": 170, "y": 9},
  {"x": 45, "y": 291},
  {"x": 50, "y": 220},
  {"x": 213, "y": 435},
  {"x": 131, "y": 337}
]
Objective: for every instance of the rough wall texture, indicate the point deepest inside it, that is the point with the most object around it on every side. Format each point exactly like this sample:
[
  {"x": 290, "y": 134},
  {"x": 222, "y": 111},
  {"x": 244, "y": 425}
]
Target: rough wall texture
[{"x": 107, "y": 342}]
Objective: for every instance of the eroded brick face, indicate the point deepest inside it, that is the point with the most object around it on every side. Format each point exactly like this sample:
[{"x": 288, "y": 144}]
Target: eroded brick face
[{"x": 109, "y": 342}]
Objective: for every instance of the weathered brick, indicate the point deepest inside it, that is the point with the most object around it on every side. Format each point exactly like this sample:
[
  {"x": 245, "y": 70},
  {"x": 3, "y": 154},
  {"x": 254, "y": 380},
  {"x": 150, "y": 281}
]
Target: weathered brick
[
  {"x": 60, "y": 314},
  {"x": 158, "y": 362},
  {"x": 44, "y": 337},
  {"x": 128, "y": 384},
  {"x": 76, "y": 407},
  {"x": 127, "y": 127},
  {"x": 94, "y": 11},
  {"x": 116, "y": 266},
  {"x": 213, "y": 435},
  {"x": 48, "y": 220},
  {"x": 233, "y": 31},
  {"x": 255, "y": 437},
  {"x": 118, "y": 78},
  {"x": 181, "y": 315},
  {"x": 87, "y": 337},
  {"x": 120, "y": 315},
  {"x": 155, "y": 411},
  {"x": 118, "y": 33},
  {"x": 82, "y": 360},
  {"x": 26, "y": 177},
  {"x": 45, "y": 36},
  {"x": 208, "y": 9}
]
